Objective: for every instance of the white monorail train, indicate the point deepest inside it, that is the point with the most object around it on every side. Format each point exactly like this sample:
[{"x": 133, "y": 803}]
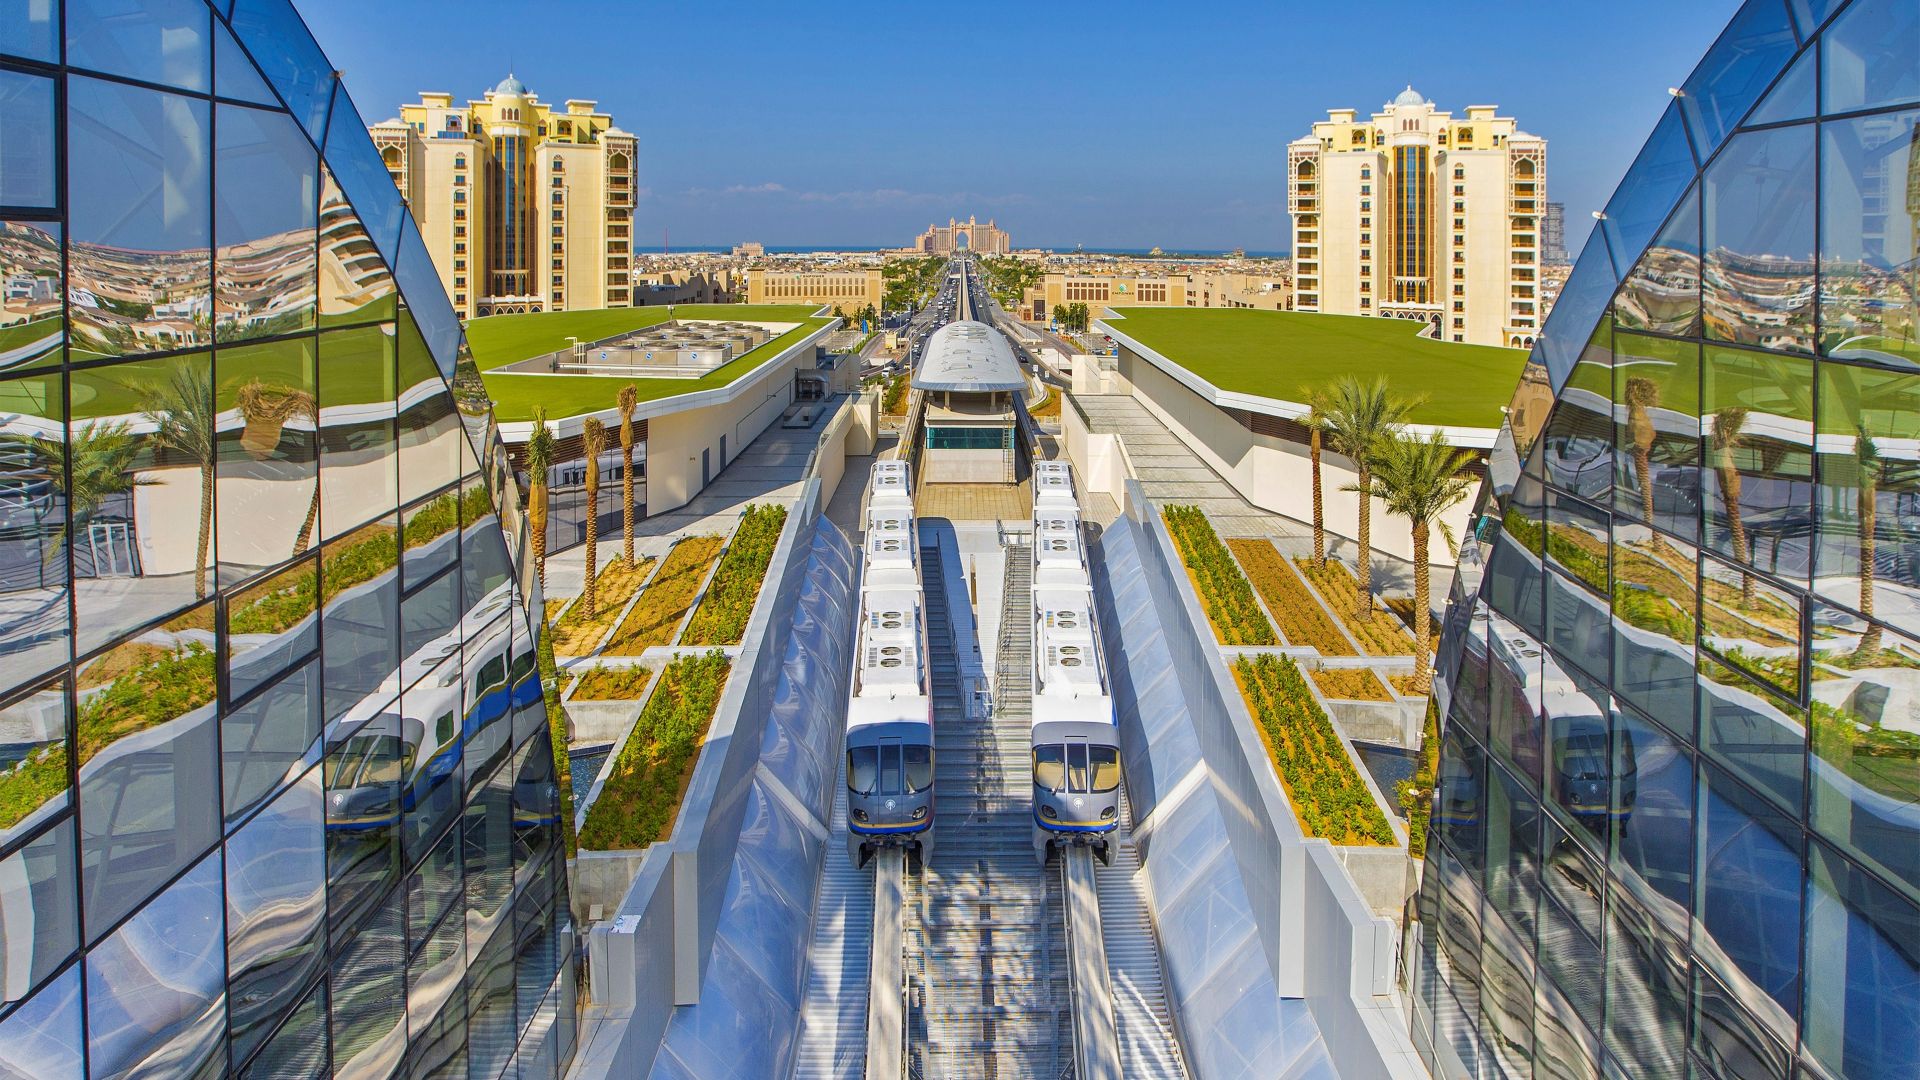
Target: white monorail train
[
  {"x": 890, "y": 713},
  {"x": 1076, "y": 742}
]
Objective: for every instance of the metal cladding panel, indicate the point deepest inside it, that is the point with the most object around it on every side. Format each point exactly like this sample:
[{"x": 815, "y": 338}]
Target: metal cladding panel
[{"x": 969, "y": 357}]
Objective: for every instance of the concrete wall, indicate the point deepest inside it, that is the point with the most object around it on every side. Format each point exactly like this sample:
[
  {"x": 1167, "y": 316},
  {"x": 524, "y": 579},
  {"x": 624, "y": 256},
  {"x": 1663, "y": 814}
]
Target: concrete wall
[
  {"x": 964, "y": 466},
  {"x": 675, "y": 441},
  {"x": 1101, "y": 459}
]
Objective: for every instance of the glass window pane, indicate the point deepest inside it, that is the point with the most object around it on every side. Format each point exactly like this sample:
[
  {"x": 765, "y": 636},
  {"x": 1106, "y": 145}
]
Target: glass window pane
[
  {"x": 1578, "y": 442},
  {"x": 432, "y": 537},
  {"x": 1506, "y": 999},
  {"x": 269, "y": 740},
  {"x": 363, "y": 770},
  {"x": 1662, "y": 292},
  {"x": 1462, "y": 800},
  {"x": 1757, "y": 427},
  {"x": 368, "y": 994},
  {"x": 285, "y": 52},
  {"x": 430, "y": 613},
  {"x": 1752, "y": 624},
  {"x": 490, "y": 999},
  {"x": 1651, "y": 190},
  {"x": 429, "y": 426},
  {"x": 276, "y": 910},
  {"x": 234, "y": 75},
  {"x": 357, "y": 452},
  {"x": 1869, "y": 494},
  {"x": 154, "y": 987},
  {"x": 1759, "y": 209},
  {"x": 1755, "y": 734},
  {"x": 1513, "y": 852},
  {"x": 1750, "y": 880},
  {"x": 43, "y": 925},
  {"x": 1579, "y": 762},
  {"x": 1862, "y": 1014},
  {"x": 1656, "y": 407},
  {"x": 363, "y": 178},
  {"x": 1577, "y": 541},
  {"x": 1515, "y": 588},
  {"x": 41, "y": 1039},
  {"x": 145, "y": 430},
  {"x": 355, "y": 286},
  {"x": 1653, "y": 799},
  {"x": 430, "y": 718},
  {"x": 488, "y": 831},
  {"x": 156, "y": 41},
  {"x": 1866, "y": 773},
  {"x": 1751, "y": 51},
  {"x": 1646, "y": 993},
  {"x": 268, "y": 491},
  {"x": 147, "y": 806},
  {"x": 271, "y": 626},
  {"x": 1794, "y": 97},
  {"x": 32, "y": 314},
  {"x": 426, "y": 300},
  {"x": 140, "y": 215},
  {"x": 1868, "y": 58},
  {"x": 1514, "y": 728},
  {"x": 36, "y": 628},
  {"x": 1655, "y": 602},
  {"x": 266, "y": 189},
  {"x": 26, "y": 146},
  {"x": 1725, "y": 1034},
  {"x": 360, "y": 613},
  {"x": 31, "y": 30},
  {"x": 298, "y": 1051}
]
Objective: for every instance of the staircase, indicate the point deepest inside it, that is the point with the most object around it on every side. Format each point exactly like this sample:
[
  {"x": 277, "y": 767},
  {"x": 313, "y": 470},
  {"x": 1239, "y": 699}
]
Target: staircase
[{"x": 833, "y": 1015}]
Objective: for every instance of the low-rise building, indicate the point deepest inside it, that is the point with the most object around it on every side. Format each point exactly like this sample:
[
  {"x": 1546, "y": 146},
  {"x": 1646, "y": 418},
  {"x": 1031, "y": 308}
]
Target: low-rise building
[{"x": 849, "y": 290}]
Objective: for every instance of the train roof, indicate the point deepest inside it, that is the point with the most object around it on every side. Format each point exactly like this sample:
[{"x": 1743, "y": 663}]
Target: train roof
[
  {"x": 891, "y": 660},
  {"x": 969, "y": 357},
  {"x": 1066, "y": 650},
  {"x": 1059, "y": 554},
  {"x": 1053, "y": 487},
  {"x": 892, "y": 554},
  {"x": 890, "y": 491}
]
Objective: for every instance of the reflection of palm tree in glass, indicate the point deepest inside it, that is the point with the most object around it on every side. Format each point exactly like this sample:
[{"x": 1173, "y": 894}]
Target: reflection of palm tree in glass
[
  {"x": 270, "y": 407},
  {"x": 1643, "y": 395},
  {"x": 1866, "y": 458},
  {"x": 539, "y": 460},
  {"x": 1729, "y": 434},
  {"x": 181, "y": 408},
  {"x": 100, "y": 457}
]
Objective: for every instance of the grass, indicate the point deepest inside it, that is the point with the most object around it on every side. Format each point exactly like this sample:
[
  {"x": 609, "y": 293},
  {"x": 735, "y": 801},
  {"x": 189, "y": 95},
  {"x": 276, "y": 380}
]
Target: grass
[
  {"x": 1286, "y": 354},
  {"x": 29, "y": 783},
  {"x": 667, "y": 598},
  {"x": 1406, "y": 685},
  {"x": 601, "y": 683},
  {"x": 1377, "y": 631},
  {"x": 1350, "y": 684},
  {"x": 507, "y": 339},
  {"x": 574, "y": 634},
  {"x": 641, "y": 795},
  {"x": 1229, "y": 603},
  {"x": 724, "y": 611},
  {"x": 1416, "y": 794},
  {"x": 1050, "y": 408},
  {"x": 1302, "y": 620},
  {"x": 1329, "y": 798}
]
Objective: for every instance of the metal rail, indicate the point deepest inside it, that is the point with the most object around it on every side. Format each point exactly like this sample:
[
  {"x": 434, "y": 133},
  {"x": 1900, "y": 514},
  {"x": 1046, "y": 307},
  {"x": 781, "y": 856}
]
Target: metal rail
[
  {"x": 886, "y": 981},
  {"x": 1096, "y": 1045},
  {"x": 833, "y": 1013}
]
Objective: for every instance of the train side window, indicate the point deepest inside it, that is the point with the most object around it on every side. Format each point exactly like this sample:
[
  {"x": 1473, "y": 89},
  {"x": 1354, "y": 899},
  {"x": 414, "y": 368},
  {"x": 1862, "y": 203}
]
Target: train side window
[
  {"x": 493, "y": 672},
  {"x": 1106, "y": 767},
  {"x": 919, "y": 768},
  {"x": 443, "y": 729},
  {"x": 522, "y": 666},
  {"x": 1050, "y": 766},
  {"x": 863, "y": 769}
]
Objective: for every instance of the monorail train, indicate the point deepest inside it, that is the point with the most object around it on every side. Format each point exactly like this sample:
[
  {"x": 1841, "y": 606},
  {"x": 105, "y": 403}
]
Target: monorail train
[
  {"x": 398, "y": 754},
  {"x": 890, "y": 711},
  {"x": 1076, "y": 741}
]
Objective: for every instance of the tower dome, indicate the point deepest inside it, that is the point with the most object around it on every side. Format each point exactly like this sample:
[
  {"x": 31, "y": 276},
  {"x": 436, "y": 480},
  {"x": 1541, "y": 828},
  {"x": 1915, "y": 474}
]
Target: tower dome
[
  {"x": 1409, "y": 96},
  {"x": 511, "y": 85}
]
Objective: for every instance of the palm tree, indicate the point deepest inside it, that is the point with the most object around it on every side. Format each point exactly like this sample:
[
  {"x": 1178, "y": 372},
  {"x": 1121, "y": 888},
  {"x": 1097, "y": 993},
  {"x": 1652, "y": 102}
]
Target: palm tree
[
  {"x": 1643, "y": 394},
  {"x": 539, "y": 461},
  {"x": 1359, "y": 417},
  {"x": 1866, "y": 458},
  {"x": 101, "y": 456},
  {"x": 1316, "y": 428},
  {"x": 1726, "y": 440},
  {"x": 182, "y": 411},
  {"x": 629, "y": 401},
  {"x": 1420, "y": 479},
  {"x": 595, "y": 434}
]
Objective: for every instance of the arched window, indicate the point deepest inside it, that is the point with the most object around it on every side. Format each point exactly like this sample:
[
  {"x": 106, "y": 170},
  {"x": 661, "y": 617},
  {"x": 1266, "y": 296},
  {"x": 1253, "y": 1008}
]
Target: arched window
[
  {"x": 1523, "y": 168},
  {"x": 1306, "y": 170},
  {"x": 617, "y": 161},
  {"x": 391, "y": 155},
  {"x": 459, "y": 161}
]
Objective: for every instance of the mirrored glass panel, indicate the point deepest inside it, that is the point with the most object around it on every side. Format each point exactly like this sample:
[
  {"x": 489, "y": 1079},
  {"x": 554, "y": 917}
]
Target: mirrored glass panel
[
  {"x": 1752, "y": 624},
  {"x": 1751, "y": 52},
  {"x": 1795, "y": 96},
  {"x": 32, "y": 317},
  {"x": 1656, "y": 408},
  {"x": 276, "y": 911},
  {"x": 266, "y": 187},
  {"x": 140, "y": 218},
  {"x": 298, "y": 1051},
  {"x": 363, "y": 178},
  {"x": 1578, "y": 451},
  {"x": 35, "y": 624},
  {"x": 1868, "y": 57},
  {"x": 360, "y": 616},
  {"x": 27, "y": 155},
  {"x": 1754, "y": 733},
  {"x": 1727, "y": 1035},
  {"x": 357, "y": 449},
  {"x": 270, "y": 739},
  {"x": 268, "y": 492},
  {"x": 1662, "y": 293},
  {"x": 154, "y": 988},
  {"x": 234, "y": 75},
  {"x": 43, "y": 925},
  {"x": 1867, "y": 240},
  {"x": 285, "y": 52},
  {"x": 42, "y": 1037},
  {"x": 1862, "y": 1018},
  {"x": 271, "y": 626},
  {"x": 367, "y": 990},
  {"x": 355, "y": 286},
  {"x": 156, "y": 41},
  {"x": 1514, "y": 701},
  {"x": 1750, "y": 885},
  {"x": 1642, "y": 203},
  {"x": 31, "y": 30},
  {"x": 1758, "y": 211},
  {"x": 34, "y": 760},
  {"x": 364, "y": 766},
  {"x": 1869, "y": 492},
  {"x": 1756, "y": 427},
  {"x": 1646, "y": 974},
  {"x": 1652, "y": 829},
  {"x": 1655, "y": 604},
  {"x": 429, "y": 429},
  {"x": 146, "y": 432}
]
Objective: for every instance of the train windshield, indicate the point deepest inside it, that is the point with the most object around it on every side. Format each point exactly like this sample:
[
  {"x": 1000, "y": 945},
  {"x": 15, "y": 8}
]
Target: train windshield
[
  {"x": 863, "y": 769},
  {"x": 889, "y": 769},
  {"x": 1076, "y": 767},
  {"x": 919, "y": 768}
]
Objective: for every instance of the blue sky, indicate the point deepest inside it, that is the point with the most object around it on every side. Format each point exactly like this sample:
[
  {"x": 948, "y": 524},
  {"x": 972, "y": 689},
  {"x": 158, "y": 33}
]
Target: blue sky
[{"x": 1118, "y": 125}]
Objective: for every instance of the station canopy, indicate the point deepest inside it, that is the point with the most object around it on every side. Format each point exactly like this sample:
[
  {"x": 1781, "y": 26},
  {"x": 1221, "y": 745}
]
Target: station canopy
[{"x": 969, "y": 357}]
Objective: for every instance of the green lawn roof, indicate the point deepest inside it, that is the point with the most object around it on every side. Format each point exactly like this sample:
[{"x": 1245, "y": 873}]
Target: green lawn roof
[
  {"x": 505, "y": 339},
  {"x": 1286, "y": 355}
]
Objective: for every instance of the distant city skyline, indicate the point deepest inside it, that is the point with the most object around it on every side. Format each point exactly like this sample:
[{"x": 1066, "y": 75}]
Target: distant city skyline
[{"x": 760, "y": 122}]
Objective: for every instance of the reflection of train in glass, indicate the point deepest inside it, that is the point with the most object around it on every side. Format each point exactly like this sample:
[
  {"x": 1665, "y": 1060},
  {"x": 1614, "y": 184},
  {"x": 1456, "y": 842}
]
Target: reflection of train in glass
[
  {"x": 1076, "y": 742},
  {"x": 395, "y": 753},
  {"x": 890, "y": 711}
]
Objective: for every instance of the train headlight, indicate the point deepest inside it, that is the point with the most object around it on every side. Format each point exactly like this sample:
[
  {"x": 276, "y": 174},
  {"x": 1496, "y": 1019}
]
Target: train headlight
[
  {"x": 919, "y": 813},
  {"x": 1048, "y": 812},
  {"x": 1108, "y": 813},
  {"x": 859, "y": 814}
]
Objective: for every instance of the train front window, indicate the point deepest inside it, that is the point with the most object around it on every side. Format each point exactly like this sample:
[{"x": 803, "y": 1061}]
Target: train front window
[
  {"x": 919, "y": 769},
  {"x": 863, "y": 769},
  {"x": 1077, "y": 767},
  {"x": 1106, "y": 767},
  {"x": 890, "y": 769},
  {"x": 1050, "y": 766}
]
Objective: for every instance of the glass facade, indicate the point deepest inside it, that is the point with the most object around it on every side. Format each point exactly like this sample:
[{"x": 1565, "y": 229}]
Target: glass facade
[
  {"x": 276, "y": 786},
  {"x": 1677, "y": 820}
]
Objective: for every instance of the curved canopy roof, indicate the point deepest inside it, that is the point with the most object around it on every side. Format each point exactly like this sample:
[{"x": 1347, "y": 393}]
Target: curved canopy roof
[{"x": 969, "y": 357}]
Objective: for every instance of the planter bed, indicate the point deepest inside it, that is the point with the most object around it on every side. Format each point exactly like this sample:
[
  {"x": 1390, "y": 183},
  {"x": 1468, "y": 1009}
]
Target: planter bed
[
  {"x": 1378, "y": 632},
  {"x": 574, "y": 634},
  {"x": 1302, "y": 620},
  {"x": 641, "y": 795},
  {"x": 1350, "y": 684},
  {"x": 1329, "y": 798},
  {"x": 724, "y": 611},
  {"x": 611, "y": 684},
  {"x": 1223, "y": 590},
  {"x": 667, "y": 598}
]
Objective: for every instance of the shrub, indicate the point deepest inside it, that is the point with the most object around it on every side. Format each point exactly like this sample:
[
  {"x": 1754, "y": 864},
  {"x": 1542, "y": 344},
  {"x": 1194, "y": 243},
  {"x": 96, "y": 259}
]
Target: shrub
[
  {"x": 1302, "y": 620},
  {"x": 1329, "y": 798},
  {"x": 657, "y": 614},
  {"x": 601, "y": 683},
  {"x": 1229, "y": 603},
  {"x": 1377, "y": 631},
  {"x": 558, "y": 724},
  {"x": 1416, "y": 794},
  {"x": 574, "y": 634},
  {"x": 894, "y": 401},
  {"x": 1050, "y": 408},
  {"x": 723, "y": 614},
  {"x": 641, "y": 795},
  {"x": 26, "y": 785},
  {"x": 164, "y": 685},
  {"x": 1351, "y": 684}
]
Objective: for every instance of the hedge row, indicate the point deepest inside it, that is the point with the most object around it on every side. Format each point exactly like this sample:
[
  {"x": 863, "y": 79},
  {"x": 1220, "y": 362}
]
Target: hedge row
[
  {"x": 1302, "y": 620},
  {"x": 1224, "y": 593},
  {"x": 1329, "y": 797},
  {"x": 641, "y": 796},
  {"x": 722, "y": 616}
]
